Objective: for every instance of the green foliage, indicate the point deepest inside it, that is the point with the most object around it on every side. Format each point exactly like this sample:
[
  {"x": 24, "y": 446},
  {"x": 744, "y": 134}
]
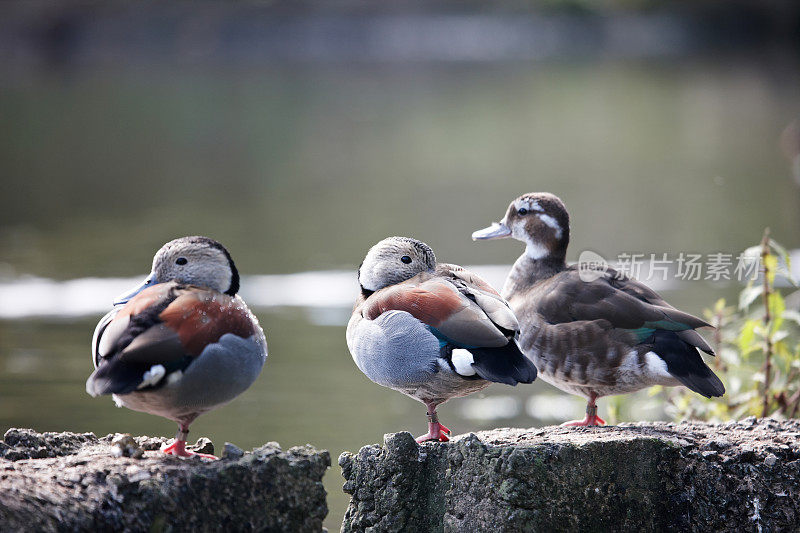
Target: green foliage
[{"x": 758, "y": 349}]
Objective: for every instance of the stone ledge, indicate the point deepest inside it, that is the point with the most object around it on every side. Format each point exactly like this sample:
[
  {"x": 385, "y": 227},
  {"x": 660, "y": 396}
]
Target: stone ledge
[
  {"x": 70, "y": 482},
  {"x": 648, "y": 476}
]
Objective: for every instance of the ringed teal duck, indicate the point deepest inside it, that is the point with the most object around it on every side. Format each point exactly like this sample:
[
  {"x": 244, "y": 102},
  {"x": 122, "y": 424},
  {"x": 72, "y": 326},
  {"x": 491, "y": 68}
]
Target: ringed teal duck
[
  {"x": 182, "y": 343},
  {"x": 607, "y": 335},
  {"x": 432, "y": 331}
]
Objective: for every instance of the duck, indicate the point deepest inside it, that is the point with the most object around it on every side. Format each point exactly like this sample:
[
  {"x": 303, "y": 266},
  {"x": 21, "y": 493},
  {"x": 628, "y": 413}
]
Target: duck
[
  {"x": 432, "y": 331},
  {"x": 589, "y": 329},
  {"x": 182, "y": 342}
]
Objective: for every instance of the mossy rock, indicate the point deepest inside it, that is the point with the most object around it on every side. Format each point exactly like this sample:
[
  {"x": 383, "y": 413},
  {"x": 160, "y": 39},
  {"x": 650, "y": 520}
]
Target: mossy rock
[{"x": 635, "y": 477}]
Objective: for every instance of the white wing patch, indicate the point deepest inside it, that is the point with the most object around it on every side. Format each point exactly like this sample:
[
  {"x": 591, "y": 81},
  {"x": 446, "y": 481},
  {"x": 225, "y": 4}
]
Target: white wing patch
[
  {"x": 111, "y": 334},
  {"x": 174, "y": 377},
  {"x": 152, "y": 376},
  {"x": 656, "y": 365},
  {"x": 462, "y": 361}
]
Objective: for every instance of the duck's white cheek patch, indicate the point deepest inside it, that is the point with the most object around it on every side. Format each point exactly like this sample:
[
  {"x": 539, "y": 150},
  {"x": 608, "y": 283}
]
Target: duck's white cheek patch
[
  {"x": 152, "y": 376},
  {"x": 462, "y": 361},
  {"x": 550, "y": 221}
]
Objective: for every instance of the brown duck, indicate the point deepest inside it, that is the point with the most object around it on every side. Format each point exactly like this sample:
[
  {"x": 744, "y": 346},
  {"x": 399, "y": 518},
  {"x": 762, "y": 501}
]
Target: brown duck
[{"x": 598, "y": 334}]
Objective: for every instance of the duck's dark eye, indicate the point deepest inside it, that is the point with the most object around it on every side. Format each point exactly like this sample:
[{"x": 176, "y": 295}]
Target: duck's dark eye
[
  {"x": 522, "y": 211},
  {"x": 181, "y": 261},
  {"x": 405, "y": 259}
]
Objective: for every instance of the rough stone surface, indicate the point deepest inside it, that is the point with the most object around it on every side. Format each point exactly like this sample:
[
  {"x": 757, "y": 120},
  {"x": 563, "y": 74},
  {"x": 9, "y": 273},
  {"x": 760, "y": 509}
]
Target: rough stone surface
[
  {"x": 737, "y": 476},
  {"x": 72, "y": 482}
]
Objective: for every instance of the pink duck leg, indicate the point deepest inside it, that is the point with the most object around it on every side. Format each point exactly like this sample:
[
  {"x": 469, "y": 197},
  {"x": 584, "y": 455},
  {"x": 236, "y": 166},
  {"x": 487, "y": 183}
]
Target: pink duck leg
[
  {"x": 436, "y": 431},
  {"x": 591, "y": 415},
  {"x": 178, "y": 446}
]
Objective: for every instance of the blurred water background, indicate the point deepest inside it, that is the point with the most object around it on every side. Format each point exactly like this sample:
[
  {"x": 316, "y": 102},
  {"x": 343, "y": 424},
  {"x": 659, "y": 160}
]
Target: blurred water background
[{"x": 300, "y": 134}]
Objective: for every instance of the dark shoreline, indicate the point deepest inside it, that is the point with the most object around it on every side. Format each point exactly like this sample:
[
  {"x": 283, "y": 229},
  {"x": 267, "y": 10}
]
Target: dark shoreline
[{"x": 68, "y": 34}]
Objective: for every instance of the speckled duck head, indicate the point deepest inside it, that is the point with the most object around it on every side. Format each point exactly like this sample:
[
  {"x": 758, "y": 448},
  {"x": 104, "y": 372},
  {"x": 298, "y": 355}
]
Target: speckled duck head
[
  {"x": 198, "y": 261},
  {"x": 394, "y": 260},
  {"x": 539, "y": 219}
]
